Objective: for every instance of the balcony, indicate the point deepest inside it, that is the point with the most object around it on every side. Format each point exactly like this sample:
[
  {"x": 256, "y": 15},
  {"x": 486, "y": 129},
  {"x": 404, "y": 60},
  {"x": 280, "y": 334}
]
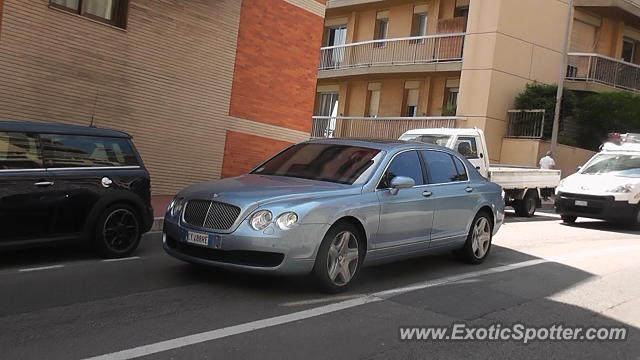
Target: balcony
[
  {"x": 389, "y": 128},
  {"x": 441, "y": 52},
  {"x": 332, "y": 4},
  {"x": 594, "y": 72}
]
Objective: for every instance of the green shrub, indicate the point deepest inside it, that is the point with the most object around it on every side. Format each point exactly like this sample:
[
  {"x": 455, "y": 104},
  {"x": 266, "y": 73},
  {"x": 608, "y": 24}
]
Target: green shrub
[
  {"x": 602, "y": 113},
  {"x": 541, "y": 96}
]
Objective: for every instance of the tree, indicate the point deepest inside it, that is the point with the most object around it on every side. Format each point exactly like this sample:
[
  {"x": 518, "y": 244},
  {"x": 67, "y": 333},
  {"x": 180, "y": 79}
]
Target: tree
[
  {"x": 603, "y": 113},
  {"x": 542, "y": 96}
]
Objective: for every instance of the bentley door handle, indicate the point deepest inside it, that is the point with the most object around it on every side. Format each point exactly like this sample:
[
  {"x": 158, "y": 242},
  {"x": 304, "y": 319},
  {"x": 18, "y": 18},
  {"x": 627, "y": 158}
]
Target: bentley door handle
[
  {"x": 44, "y": 183},
  {"x": 468, "y": 189},
  {"x": 427, "y": 193}
]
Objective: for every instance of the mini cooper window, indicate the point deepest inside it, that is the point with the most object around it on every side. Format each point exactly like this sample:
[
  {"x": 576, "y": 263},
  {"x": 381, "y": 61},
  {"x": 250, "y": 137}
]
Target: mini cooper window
[
  {"x": 19, "y": 151},
  {"x": 325, "y": 162},
  {"x": 86, "y": 151},
  {"x": 404, "y": 164},
  {"x": 440, "y": 167}
]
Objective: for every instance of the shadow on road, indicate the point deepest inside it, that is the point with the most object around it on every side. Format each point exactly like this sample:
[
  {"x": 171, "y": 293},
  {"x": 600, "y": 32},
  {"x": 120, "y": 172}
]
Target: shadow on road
[{"x": 603, "y": 226}]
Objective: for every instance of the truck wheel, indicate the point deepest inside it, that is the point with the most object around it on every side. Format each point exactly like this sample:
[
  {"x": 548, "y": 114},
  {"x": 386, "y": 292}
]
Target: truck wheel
[
  {"x": 527, "y": 206},
  {"x": 568, "y": 219}
]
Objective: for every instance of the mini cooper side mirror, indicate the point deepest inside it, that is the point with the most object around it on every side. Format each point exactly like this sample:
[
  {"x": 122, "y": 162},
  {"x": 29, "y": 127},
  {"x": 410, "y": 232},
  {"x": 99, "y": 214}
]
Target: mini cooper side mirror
[{"x": 401, "y": 182}]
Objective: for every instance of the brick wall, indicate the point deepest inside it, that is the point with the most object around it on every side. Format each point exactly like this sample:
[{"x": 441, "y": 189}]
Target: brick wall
[
  {"x": 276, "y": 64},
  {"x": 243, "y": 152}
]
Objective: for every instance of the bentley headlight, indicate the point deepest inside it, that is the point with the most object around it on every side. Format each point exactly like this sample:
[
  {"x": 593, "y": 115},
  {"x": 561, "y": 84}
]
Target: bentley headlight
[
  {"x": 175, "y": 207},
  {"x": 622, "y": 189},
  {"x": 287, "y": 220},
  {"x": 261, "y": 219}
]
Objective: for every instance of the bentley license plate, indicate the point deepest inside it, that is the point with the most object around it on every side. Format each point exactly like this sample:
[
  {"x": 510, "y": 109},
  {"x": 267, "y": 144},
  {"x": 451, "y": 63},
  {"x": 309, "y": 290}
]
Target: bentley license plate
[{"x": 198, "y": 238}]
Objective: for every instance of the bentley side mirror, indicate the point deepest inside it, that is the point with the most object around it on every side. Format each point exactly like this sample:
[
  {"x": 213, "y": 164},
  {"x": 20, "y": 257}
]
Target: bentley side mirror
[
  {"x": 401, "y": 182},
  {"x": 579, "y": 168}
]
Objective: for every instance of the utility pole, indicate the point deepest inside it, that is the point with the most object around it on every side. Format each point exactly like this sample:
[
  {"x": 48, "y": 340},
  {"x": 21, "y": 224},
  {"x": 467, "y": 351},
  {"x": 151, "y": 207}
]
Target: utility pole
[{"x": 563, "y": 72}]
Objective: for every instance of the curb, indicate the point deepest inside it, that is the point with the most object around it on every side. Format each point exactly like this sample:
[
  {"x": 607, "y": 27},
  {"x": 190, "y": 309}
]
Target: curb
[{"x": 157, "y": 224}]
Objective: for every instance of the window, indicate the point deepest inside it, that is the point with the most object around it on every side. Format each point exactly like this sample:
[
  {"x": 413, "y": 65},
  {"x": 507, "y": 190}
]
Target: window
[
  {"x": 462, "y": 11},
  {"x": 462, "y": 171},
  {"x": 19, "y": 151},
  {"x": 323, "y": 162},
  {"x": 628, "y": 49},
  {"x": 440, "y": 167},
  {"x": 112, "y": 12},
  {"x": 86, "y": 151},
  {"x": 411, "y": 102},
  {"x": 467, "y": 147},
  {"x": 419, "y": 26},
  {"x": 405, "y": 164},
  {"x": 381, "y": 31},
  {"x": 450, "y": 102},
  {"x": 374, "y": 103}
]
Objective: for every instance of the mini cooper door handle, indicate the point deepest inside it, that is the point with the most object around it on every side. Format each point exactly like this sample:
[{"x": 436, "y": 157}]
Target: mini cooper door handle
[
  {"x": 44, "y": 183},
  {"x": 468, "y": 189},
  {"x": 427, "y": 193}
]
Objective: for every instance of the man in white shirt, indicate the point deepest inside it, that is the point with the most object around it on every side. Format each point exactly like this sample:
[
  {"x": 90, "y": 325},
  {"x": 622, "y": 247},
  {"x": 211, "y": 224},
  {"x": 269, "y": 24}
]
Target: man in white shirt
[{"x": 547, "y": 162}]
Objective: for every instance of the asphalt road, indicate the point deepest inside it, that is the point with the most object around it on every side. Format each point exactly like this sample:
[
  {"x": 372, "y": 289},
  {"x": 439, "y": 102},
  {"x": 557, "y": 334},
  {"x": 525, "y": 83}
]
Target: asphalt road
[{"x": 62, "y": 303}]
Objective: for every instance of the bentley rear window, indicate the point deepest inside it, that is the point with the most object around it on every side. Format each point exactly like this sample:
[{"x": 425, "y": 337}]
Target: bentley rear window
[{"x": 325, "y": 162}]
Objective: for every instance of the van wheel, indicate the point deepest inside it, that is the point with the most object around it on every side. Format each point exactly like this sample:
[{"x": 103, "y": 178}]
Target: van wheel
[
  {"x": 117, "y": 232},
  {"x": 527, "y": 206},
  {"x": 476, "y": 249},
  {"x": 339, "y": 258}
]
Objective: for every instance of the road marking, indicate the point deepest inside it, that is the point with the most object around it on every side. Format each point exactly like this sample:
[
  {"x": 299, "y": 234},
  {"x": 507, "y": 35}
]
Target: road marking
[
  {"x": 41, "y": 268},
  {"x": 330, "y": 308},
  {"x": 320, "y": 300},
  {"x": 122, "y": 259}
]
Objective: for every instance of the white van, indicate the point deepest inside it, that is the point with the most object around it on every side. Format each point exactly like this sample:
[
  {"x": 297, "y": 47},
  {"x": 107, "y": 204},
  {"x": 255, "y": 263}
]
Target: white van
[{"x": 607, "y": 187}]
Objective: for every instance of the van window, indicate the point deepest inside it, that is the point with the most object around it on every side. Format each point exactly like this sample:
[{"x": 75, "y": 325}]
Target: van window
[
  {"x": 86, "y": 151},
  {"x": 19, "y": 151}
]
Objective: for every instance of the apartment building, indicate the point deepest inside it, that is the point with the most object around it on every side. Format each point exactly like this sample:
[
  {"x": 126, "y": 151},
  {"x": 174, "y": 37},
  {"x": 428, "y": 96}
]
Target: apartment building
[
  {"x": 390, "y": 65},
  {"x": 200, "y": 85}
]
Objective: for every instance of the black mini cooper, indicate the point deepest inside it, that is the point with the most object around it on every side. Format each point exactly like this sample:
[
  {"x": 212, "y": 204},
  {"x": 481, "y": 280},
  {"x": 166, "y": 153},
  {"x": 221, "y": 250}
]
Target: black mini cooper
[{"x": 72, "y": 183}]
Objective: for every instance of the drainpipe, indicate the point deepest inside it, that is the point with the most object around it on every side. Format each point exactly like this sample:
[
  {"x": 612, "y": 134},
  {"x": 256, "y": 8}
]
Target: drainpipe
[{"x": 563, "y": 72}]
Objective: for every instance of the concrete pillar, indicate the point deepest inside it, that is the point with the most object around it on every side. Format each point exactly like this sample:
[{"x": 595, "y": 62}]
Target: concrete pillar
[{"x": 503, "y": 52}]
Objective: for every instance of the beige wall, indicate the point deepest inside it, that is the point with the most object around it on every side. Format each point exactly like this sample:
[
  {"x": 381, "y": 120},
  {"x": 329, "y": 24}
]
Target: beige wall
[
  {"x": 355, "y": 91},
  {"x": 527, "y": 152},
  {"x": 361, "y": 19},
  {"x": 504, "y": 51},
  {"x": 167, "y": 80}
]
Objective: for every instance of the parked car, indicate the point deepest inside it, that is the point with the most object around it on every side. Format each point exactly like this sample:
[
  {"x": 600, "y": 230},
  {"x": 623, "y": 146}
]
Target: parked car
[
  {"x": 607, "y": 187},
  {"x": 522, "y": 185},
  {"x": 328, "y": 207},
  {"x": 72, "y": 183}
]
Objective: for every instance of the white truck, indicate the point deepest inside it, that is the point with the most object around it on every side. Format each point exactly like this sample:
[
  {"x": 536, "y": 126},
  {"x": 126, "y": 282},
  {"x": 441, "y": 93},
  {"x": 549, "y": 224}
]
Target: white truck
[{"x": 523, "y": 186}]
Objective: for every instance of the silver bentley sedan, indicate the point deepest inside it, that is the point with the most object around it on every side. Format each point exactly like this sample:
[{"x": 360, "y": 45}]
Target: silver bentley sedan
[{"x": 329, "y": 207}]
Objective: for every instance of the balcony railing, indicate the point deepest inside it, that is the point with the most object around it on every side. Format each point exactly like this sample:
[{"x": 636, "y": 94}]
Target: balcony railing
[
  {"x": 603, "y": 70},
  {"x": 527, "y": 124},
  {"x": 375, "y": 127},
  {"x": 401, "y": 51}
]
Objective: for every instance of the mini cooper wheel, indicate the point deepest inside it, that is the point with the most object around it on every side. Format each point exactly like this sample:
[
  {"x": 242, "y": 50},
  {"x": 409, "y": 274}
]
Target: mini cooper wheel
[
  {"x": 118, "y": 231},
  {"x": 478, "y": 243},
  {"x": 339, "y": 258}
]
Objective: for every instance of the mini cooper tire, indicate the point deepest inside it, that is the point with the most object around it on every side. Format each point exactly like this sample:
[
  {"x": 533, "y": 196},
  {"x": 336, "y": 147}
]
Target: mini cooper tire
[
  {"x": 478, "y": 245},
  {"x": 339, "y": 258},
  {"x": 118, "y": 231}
]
